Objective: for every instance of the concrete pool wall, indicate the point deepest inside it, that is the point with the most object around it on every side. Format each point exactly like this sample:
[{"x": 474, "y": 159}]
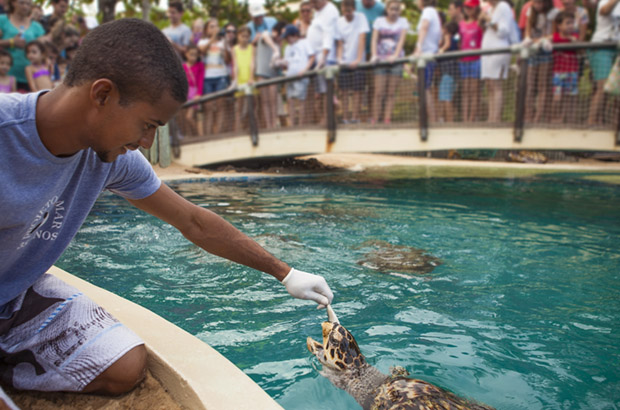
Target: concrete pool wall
[{"x": 195, "y": 374}]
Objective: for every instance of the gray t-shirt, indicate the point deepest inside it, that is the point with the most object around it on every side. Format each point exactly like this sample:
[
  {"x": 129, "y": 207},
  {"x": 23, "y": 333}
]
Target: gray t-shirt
[{"x": 45, "y": 199}]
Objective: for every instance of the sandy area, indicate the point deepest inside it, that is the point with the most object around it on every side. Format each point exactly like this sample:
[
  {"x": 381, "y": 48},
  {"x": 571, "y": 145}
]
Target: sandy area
[{"x": 148, "y": 395}]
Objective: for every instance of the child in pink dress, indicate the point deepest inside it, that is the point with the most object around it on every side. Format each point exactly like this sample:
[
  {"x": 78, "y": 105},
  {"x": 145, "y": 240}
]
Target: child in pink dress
[{"x": 195, "y": 72}]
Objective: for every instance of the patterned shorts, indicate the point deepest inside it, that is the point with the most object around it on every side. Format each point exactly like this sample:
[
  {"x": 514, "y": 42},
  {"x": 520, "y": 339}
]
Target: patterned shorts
[
  {"x": 565, "y": 83},
  {"x": 53, "y": 338}
]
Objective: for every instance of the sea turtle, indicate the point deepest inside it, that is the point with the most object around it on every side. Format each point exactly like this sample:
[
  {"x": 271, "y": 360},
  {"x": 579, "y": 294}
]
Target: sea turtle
[
  {"x": 386, "y": 257},
  {"x": 345, "y": 366}
]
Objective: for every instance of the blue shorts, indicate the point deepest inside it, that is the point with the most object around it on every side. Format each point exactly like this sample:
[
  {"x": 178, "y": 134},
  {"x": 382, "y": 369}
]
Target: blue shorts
[
  {"x": 542, "y": 57},
  {"x": 214, "y": 84},
  {"x": 429, "y": 70},
  {"x": 446, "y": 88},
  {"x": 565, "y": 83},
  {"x": 470, "y": 69}
]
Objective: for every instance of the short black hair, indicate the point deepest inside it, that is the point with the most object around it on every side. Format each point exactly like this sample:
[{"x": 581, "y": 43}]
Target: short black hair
[
  {"x": 176, "y": 5},
  {"x": 135, "y": 56},
  {"x": 563, "y": 15}
]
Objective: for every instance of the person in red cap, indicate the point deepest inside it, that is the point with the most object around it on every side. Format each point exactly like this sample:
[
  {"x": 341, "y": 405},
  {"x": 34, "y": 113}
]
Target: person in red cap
[{"x": 471, "y": 39}]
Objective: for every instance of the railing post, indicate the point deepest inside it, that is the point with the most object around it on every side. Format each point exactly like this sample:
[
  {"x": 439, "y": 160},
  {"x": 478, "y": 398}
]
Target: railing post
[
  {"x": 330, "y": 73},
  {"x": 423, "y": 120},
  {"x": 521, "y": 95},
  {"x": 163, "y": 137},
  {"x": 248, "y": 91}
]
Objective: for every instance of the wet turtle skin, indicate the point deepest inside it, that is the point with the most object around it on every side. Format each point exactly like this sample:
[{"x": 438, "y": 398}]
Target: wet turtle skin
[{"x": 346, "y": 367}]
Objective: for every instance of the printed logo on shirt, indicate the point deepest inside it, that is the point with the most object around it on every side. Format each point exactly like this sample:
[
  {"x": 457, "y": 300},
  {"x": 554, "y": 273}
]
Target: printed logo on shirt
[{"x": 47, "y": 222}]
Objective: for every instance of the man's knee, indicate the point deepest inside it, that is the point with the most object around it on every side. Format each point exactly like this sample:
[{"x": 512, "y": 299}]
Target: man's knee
[{"x": 122, "y": 376}]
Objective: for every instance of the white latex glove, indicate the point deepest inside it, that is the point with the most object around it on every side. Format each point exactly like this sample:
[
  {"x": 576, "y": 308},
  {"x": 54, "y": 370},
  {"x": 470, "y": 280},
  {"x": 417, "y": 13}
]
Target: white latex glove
[{"x": 303, "y": 285}]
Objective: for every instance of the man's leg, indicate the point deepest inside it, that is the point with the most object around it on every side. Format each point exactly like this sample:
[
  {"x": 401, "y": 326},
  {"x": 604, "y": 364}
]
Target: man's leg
[{"x": 122, "y": 376}]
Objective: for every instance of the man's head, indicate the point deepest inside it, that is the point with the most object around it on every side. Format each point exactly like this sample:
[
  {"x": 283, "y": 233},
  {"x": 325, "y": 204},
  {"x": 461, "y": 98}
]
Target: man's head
[
  {"x": 347, "y": 7},
  {"x": 455, "y": 10},
  {"x": 257, "y": 11},
  {"x": 368, "y": 4},
  {"x": 135, "y": 56},
  {"x": 318, "y": 4},
  {"x": 175, "y": 12},
  {"x": 60, "y": 7},
  {"x": 134, "y": 82}
]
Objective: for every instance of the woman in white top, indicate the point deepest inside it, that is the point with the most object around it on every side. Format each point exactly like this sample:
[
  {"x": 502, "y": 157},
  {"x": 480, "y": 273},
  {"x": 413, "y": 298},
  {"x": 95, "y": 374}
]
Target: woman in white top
[
  {"x": 388, "y": 38},
  {"x": 429, "y": 37},
  {"x": 601, "y": 61},
  {"x": 497, "y": 22}
]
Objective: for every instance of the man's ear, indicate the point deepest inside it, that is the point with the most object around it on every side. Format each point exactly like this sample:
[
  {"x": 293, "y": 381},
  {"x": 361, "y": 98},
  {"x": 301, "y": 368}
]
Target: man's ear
[{"x": 101, "y": 91}]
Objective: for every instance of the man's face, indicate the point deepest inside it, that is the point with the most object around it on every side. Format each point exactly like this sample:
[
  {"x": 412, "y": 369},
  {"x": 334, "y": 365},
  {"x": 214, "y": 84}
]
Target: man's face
[
  {"x": 347, "y": 12},
  {"x": 60, "y": 8},
  {"x": 124, "y": 128},
  {"x": 174, "y": 15},
  {"x": 318, "y": 4}
]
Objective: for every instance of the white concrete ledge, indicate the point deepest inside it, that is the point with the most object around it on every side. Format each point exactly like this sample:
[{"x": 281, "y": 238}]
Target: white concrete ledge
[
  {"x": 298, "y": 142},
  {"x": 195, "y": 375}
]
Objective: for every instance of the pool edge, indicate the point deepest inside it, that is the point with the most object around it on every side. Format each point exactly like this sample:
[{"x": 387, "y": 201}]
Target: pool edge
[{"x": 195, "y": 374}]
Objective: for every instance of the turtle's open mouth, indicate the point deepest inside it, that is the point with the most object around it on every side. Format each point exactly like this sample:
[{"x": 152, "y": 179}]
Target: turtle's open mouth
[
  {"x": 318, "y": 349},
  {"x": 339, "y": 350}
]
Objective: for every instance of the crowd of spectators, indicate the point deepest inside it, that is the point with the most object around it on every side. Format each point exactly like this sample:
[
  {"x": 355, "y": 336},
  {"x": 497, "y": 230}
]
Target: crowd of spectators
[{"x": 35, "y": 50}]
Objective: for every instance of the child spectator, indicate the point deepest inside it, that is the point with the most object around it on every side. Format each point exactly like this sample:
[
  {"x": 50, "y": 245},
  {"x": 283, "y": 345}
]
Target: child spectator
[
  {"x": 351, "y": 31},
  {"x": 471, "y": 39},
  {"x": 216, "y": 57},
  {"x": 38, "y": 73},
  {"x": 298, "y": 58},
  {"x": 388, "y": 38},
  {"x": 448, "y": 69},
  {"x": 581, "y": 20},
  {"x": 194, "y": 70},
  {"x": 565, "y": 68},
  {"x": 243, "y": 57},
  {"x": 8, "y": 83}
]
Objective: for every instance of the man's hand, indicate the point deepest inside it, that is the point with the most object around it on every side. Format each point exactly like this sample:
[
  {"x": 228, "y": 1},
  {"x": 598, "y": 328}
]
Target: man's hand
[{"x": 303, "y": 285}]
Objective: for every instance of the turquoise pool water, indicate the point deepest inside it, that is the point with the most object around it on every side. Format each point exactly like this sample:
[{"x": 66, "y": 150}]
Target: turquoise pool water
[{"x": 523, "y": 312}]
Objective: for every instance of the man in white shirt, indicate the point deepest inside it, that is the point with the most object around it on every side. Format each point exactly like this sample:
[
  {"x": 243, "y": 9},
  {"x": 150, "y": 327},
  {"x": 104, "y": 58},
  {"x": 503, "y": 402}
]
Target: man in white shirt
[
  {"x": 351, "y": 32},
  {"x": 321, "y": 38}
]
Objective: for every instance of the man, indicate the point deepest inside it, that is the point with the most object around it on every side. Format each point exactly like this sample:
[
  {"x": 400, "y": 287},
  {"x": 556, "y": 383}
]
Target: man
[
  {"x": 60, "y": 8},
  {"x": 60, "y": 150},
  {"x": 178, "y": 33},
  {"x": 321, "y": 36},
  {"x": 259, "y": 22}
]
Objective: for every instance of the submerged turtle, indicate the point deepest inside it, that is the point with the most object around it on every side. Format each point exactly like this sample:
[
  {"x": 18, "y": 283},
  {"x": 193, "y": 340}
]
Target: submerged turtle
[
  {"x": 386, "y": 257},
  {"x": 345, "y": 366}
]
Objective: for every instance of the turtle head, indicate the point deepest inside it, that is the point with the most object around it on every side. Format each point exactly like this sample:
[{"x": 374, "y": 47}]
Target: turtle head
[{"x": 339, "y": 350}]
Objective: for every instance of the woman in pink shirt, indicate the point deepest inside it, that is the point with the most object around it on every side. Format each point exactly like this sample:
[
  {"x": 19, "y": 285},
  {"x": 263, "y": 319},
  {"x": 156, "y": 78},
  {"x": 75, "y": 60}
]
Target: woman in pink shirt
[{"x": 471, "y": 39}]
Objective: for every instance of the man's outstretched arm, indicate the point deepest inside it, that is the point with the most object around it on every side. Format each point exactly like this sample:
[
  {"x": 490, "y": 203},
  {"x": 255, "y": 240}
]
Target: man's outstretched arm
[{"x": 217, "y": 236}]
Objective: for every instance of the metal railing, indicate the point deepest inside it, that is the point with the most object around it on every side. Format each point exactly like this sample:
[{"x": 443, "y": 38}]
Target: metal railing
[{"x": 400, "y": 94}]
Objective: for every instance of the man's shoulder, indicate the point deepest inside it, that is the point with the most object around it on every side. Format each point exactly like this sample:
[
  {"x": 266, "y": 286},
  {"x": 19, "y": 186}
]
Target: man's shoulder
[{"x": 15, "y": 107}]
